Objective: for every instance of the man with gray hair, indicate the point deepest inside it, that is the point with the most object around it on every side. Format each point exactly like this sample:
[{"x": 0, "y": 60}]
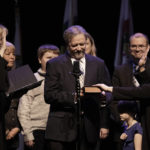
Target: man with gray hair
[{"x": 60, "y": 92}]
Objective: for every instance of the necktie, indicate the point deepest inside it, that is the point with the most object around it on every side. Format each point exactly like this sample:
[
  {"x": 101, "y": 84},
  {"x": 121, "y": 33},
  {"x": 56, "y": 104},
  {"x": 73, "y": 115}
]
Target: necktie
[
  {"x": 135, "y": 81},
  {"x": 82, "y": 75}
]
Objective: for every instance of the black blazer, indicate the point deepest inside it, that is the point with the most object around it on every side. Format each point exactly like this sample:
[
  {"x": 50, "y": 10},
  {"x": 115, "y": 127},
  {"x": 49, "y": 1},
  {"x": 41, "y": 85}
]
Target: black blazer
[
  {"x": 123, "y": 77},
  {"x": 59, "y": 86},
  {"x": 141, "y": 93}
]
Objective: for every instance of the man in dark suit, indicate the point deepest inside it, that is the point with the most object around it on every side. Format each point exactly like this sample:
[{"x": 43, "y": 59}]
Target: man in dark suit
[
  {"x": 60, "y": 92},
  {"x": 133, "y": 74}
]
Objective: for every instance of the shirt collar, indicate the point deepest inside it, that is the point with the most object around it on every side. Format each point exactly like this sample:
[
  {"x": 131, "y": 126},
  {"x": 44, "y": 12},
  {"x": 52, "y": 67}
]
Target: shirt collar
[{"x": 82, "y": 60}]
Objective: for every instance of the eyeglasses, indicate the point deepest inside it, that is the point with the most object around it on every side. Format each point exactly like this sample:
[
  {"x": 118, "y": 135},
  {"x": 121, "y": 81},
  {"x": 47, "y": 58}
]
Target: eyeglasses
[{"x": 138, "y": 46}]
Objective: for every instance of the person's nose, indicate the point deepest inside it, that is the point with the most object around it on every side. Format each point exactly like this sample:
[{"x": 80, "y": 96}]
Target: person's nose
[
  {"x": 79, "y": 47},
  {"x": 12, "y": 56}
]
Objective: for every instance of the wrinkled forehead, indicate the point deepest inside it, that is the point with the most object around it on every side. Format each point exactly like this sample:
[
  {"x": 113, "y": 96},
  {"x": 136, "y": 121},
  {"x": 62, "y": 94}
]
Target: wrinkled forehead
[
  {"x": 78, "y": 37},
  {"x": 141, "y": 39}
]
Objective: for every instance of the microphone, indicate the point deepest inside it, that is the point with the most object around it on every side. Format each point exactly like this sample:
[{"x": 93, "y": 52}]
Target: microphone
[{"x": 76, "y": 69}]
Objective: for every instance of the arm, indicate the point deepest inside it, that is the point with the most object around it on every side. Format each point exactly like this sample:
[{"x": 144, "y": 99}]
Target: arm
[
  {"x": 127, "y": 93},
  {"x": 138, "y": 141},
  {"x": 104, "y": 110},
  {"x": 144, "y": 76},
  {"x": 12, "y": 123},
  {"x": 4, "y": 84},
  {"x": 24, "y": 115},
  {"x": 130, "y": 93},
  {"x": 4, "y": 34},
  {"x": 12, "y": 133}
]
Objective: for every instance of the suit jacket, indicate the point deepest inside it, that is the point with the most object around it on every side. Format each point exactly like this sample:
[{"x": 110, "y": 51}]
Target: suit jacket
[
  {"x": 131, "y": 93},
  {"x": 123, "y": 76},
  {"x": 59, "y": 86},
  {"x": 3, "y": 87},
  {"x": 3, "y": 75}
]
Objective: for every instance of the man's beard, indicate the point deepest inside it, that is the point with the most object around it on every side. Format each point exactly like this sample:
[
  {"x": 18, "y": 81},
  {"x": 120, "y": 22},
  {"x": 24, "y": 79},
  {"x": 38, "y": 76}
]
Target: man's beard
[{"x": 78, "y": 54}]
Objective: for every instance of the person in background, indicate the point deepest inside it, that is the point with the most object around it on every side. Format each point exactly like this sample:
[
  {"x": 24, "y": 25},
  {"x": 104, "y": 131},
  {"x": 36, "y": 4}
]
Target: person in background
[
  {"x": 60, "y": 92},
  {"x": 12, "y": 125},
  {"x": 134, "y": 73},
  {"x": 132, "y": 135},
  {"x": 4, "y": 85},
  {"x": 90, "y": 45},
  {"x": 32, "y": 110}
]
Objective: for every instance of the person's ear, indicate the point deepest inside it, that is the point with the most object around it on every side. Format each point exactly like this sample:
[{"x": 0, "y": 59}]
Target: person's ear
[
  {"x": 39, "y": 60},
  {"x": 148, "y": 47}
]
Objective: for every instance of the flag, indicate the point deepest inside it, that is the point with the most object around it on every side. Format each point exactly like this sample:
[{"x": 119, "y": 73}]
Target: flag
[
  {"x": 125, "y": 30},
  {"x": 17, "y": 38},
  {"x": 70, "y": 14}
]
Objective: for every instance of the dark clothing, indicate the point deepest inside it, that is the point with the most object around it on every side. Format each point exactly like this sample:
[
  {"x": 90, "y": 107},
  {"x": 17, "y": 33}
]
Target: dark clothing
[
  {"x": 4, "y": 84},
  {"x": 13, "y": 144},
  {"x": 59, "y": 86},
  {"x": 57, "y": 145},
  {"x": 141, "y": 93},
  {"x": 11, "y": 121},
  {"x": 123, "y": 76},
  {"x": 2, "y": 122},
  {"x": 40, "y": 143},
  {"x": 3, "y": 87}
]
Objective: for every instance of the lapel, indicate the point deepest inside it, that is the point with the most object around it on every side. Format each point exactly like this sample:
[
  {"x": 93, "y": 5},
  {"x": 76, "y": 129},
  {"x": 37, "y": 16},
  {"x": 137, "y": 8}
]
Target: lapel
[
  {"x": 89, "y": 65},
  {"x": 67, "y": 64},
  {"x": 128, "y": 74}
]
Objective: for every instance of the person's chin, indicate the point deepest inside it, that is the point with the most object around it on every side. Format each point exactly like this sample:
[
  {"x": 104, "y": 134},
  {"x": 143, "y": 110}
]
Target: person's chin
[
  {"x": 136, "y": 60},
  {"x": 79, "y": 56}
]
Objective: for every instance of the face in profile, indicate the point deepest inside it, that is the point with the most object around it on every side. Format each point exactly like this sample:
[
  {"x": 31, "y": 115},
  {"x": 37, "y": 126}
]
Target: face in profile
[
  {"x": 77, "y": 46},
  {"x": 138, "y": 46},
  {"x": 124, "y": 116},
  {"x": 9, "y": 56}
]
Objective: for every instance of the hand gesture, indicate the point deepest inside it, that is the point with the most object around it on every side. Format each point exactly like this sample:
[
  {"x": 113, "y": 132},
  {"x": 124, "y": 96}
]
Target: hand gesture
[
  {"x": 104, "y": 87},
  {"x": 123, "y": 136},
  {"x": 3, "y": 38},
  {"x": 12, "y": 133},
  {"x": 103, "y": 133}
]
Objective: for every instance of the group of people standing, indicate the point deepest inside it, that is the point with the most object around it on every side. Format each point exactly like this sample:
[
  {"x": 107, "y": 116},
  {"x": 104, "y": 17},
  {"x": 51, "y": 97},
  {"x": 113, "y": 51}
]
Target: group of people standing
[{"x": 48, "y": 114}]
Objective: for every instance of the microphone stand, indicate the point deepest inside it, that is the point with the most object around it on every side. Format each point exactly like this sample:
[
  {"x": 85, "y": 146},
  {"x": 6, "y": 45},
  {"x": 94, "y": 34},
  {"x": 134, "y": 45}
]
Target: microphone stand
[{"x": 77, "y": 74}]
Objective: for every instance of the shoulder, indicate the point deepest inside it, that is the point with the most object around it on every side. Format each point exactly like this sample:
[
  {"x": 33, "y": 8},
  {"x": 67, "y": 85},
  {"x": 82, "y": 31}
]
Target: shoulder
[
  {"x": 58, "y": 59},
  {"x": 96, "y": 59},
  {"x": 138, "y": 128},
  {"x": 148, "y": 62},
  {"x": 3, "y": 63}
]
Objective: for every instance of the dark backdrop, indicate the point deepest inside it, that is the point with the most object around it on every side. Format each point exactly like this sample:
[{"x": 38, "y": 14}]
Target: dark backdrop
[{"x": 42, "y": 22}]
